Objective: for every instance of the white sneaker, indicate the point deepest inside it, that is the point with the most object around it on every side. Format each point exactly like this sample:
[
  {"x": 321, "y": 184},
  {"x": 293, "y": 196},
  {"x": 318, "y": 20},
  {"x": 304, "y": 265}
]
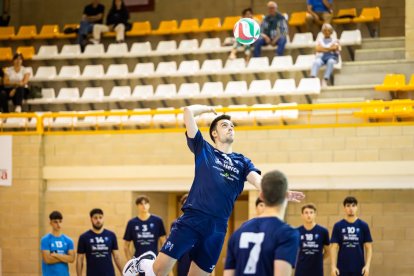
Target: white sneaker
[
  {"x": 132, "y": 267},
  {"x": 18, "y": 109}
]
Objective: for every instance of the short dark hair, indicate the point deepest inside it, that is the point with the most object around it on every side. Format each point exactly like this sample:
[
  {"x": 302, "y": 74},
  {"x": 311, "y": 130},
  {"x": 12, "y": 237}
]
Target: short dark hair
[
  {"x": 55, "y": 215},
  {"x": 95, "y": 211},
  {"x": 142, "y": 198},
  {"x": 18, "y": 55},
  {"x": 274, "y": 188},
  {"x": 258, "y": 201},
  {"x": 350, "y": 200},
  {"x": 246, "y": 11},
  {"x": 213, "y": 125},
  {"x": 309, "y": 206}
]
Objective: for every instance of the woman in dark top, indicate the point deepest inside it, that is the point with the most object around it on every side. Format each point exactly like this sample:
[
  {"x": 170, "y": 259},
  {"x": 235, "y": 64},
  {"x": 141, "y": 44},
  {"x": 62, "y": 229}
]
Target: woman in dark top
[{"x": 117, "y": 20}]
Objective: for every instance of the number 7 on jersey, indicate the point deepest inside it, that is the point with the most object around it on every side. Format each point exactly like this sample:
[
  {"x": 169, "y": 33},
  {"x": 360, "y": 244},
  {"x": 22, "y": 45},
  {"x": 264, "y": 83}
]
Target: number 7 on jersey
[{"x": 256, "y": 239}]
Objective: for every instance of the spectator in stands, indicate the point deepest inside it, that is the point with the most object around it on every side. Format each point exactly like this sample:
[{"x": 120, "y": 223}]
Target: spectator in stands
[
  {"x": 274, "y": 30},
  {"x": 246, "y": 13},
  {"x": 92, "y": 14},
  {"x": 145, "y": 231},
  {"x": 319, "y": 11},
  {"x": 351, "y": 243},
  {"x": 117, "y": 20},
  {"x": 57, "y": 249},
  {"x": 16, "y": 79},
  {"x": 327, "y": 53},
  {"x": 98, "y": 245},
  {"x": 260, "y": 206}
]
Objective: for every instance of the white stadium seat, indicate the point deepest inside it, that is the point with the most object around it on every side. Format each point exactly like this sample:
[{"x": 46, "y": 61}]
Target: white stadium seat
[
  {"x": 48, "y": 96},
  {"x": 304, "y": 62},
  {"x": 210, "y": 45},
  {"x": 309, "y": 86},
  {"x": 239, "y": 117},
  {"x": 143, "y": 92},
  {"x": 47, "y": 52},
  {"x": 117, "y": 71},
  {"x": 260, "y": 87},
  {"x": 45, "y": 73},
  {"x": 143, "y": 120},
  {"x": 93, "y": 72},
  {"x": 67, "y": 95},
  {"x": 263, "y": 116},
  {"x": 115, "y": 120},
  {"x": 70, "y": 51},
  {"x": 188, "y": 67},
  {"x": 120, "y": 93},
  {"x": 288, "y": 114},
  {"x": 189, "y": 90},
  {"x": 92, "y": 94},
  {"x": 166, "y": 47},
  {"x": 212, "y": 89},
  {"x": 302, "y": 40},
  {"x": 64, "y": 122},
  {"x": 281, "y": 63},
  {"x": 165, "y": 91},
  {"x": 69, "y": 72},
  {"x": 165, "y": 120},
  {"x": 187, "y": 46},
  {"x": 91, "y": 121},
  {"x": 234, "y": 66},
  {"x": 236, "y": 88},
  {"x": 117, "y": 50},
  {"x": 284, "y": 86},
  {"x": 258, "y": 64},
  {"x": 93, "y": 51},
  {"x": 166, "y": 68},
  {"x": 144, "y": 69},
  {"x": 351, "y": 38},
  {"x": 16, "y": 123},
  {"x": 211, "y": 66},
  {"x": 140, "y": 49}
]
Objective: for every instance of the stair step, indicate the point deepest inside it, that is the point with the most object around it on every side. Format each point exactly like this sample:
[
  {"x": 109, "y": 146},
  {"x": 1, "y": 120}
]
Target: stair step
[
  {"x": 386, "y": 42},
  {"x": 379, "y": 54}
]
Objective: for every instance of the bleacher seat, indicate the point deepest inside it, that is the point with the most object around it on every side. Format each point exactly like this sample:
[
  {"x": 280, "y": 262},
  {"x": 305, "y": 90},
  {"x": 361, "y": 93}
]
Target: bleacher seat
[
  {"x": 211, "y": 66},
  {"x": 187, "y": 46},
  {"x": 6, "y": 53},
  {"x": 45, "y": 73},
  {"x": 117, "y": 71},
  {"x": 263, "y": 117},
  {"x": 115, "y": 120},
  {"x": 165, "y": 91},
  {"x": 120, "y": 93},
  {"x": 284, "y": 87},
  {"x": 234, "y": 66},
  {"x": 68, "y": 36},
  {"x": 47, "y": 52},
  {"x": 344, "y": 16},
  {"x": 260, "y": 87},
  {"x": 166, "y": 68},
  {"x": 304, "y": 62},
  {"x": 117, "y": 50},
  {"x": 187, "y": 26},
  {"x": 258, "y": 64},
  {"x": 297, "y": 19},
  {"x": 282, "y": 63},
  {"x": 93, "y": 72},
  {"x": 25, "y": 32},
  {"x": 67, "y": 95},
  {"x": 140, "y": 49},
  {"x": 48, "y": 32},
  {"x": 15, "y": 123},
  {"x": 189, "y": 90},
  {"x": 144, "y": 69},
  {"x": 309, "y": 86},
  {"x": 236, "y": 88},
  {"x": 7, "y": 33},
  {"x": 94, "y": 51},
  {"x": 372, "y": 111},
  {"x": 210, "y": 24},
  {"x": 165, "y": 120},
  {"x": 210, "y": 45},
  {"x": 140, "y": 29},
  {"x": 212, "y": 89},
  {"x": 92, "y": 95},
  {"x": 288, "y": 114},
  {"x": 64, "y": 122},
  {"x": 410, "y": 85},
  {"x": 27, "y": 51},
  {"x": 353, "y": 37},
  {"x": 69, "y": 72},
  {"x": 91, "y": 121},
  {"x": 48, "y": 96},
  {"x": 229, "y": 22},
  {"x": 368, "y": 15},
  {"x": 70, "y": 51},
  {"x": 188, "y": 67},
  {"x": 142, "y": 92},
  {"x": 392, "y": 82},
  {"x": 166, "y": 27},
  {"x": 166, "y": 47},
  {"x": 240, "y": 117},
  {"x": 302, "y": 40},
  {"x": 141, "y": 120},
  {"x": 259, "y": 18}
]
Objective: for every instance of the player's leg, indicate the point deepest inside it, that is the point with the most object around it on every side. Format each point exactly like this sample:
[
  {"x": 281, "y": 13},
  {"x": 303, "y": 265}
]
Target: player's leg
[{"x": 195, "y": 270}]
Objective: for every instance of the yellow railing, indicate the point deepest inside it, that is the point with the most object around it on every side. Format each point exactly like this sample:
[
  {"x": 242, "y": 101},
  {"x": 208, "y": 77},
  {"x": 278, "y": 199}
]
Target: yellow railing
[{"x": 374, "y": 113}]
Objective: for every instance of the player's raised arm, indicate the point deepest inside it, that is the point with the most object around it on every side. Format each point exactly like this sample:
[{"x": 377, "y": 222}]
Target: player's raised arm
[{"x": 190, "y": 112}]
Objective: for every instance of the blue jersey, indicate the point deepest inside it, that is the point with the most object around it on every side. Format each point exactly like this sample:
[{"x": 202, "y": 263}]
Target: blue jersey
[
  {"x": 318, "y": 6},
  {"x": 255, "y": 246},
  {"x": 59, "y": 245},
  {"x": 351, "y": 238},
  {"x": 310, "y": 257},
  {"x": 145, "y": 234},
  {"x": 219, "y": 179},
  {"x": 98, "y": 251}
]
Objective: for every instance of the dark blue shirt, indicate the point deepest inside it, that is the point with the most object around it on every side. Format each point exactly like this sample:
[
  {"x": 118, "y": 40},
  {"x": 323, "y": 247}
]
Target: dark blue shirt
[
  {"x": 219, "y": 178},
  {"x": 254, "y": 247},
  {"x": 98, "y": 251},
  {"x": 145, "y": 234},
  {"x": 351, "y": 238},
  {"x": 310, "y": 256},
  {"x": 318, "y": 6}
]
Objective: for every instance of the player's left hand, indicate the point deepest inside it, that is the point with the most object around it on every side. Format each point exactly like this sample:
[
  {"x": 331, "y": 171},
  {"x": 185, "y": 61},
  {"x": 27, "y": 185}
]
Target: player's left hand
[
  {"x": 365, "y": 271},
  {"x": 295, "y": 196}
]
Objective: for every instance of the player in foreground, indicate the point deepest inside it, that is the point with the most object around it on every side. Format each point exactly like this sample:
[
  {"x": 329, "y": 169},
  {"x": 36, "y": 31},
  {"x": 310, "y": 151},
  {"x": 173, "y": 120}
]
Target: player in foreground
[
  {"x": 265, "y": 245},
  {"x": 219, "y": 179}
]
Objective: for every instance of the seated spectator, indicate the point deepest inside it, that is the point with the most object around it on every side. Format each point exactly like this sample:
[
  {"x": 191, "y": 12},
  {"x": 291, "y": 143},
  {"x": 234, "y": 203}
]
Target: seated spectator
[
  {"x": 246, "y": 13},
  {"x": 92, "y": 14},
  {"x": 327, "y": 53},
  {"x": 319, "y": 12},
  {"x": 117, "y": 20},
  {"x": 16, "y": 80},
  {"x": 274, "y": 30}
]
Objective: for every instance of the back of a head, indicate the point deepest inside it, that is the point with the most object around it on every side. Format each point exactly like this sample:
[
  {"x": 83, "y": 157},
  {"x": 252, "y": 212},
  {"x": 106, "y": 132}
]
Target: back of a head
[{"x": 274, "y": 188}]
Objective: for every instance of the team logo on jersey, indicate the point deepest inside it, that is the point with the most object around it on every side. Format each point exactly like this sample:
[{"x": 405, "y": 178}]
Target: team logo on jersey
[
  {"x": 151, "y": 225},
  {"x": 212, "y": 267},
  {"x": 357, "y": 230},
  {"x": 169, "y": 246},
  {"x": 228, "y": 159},
  {"x": 136, "y": 228},
  {"x": 316, "y": 236},
  {"x": 106, "y": 238}
]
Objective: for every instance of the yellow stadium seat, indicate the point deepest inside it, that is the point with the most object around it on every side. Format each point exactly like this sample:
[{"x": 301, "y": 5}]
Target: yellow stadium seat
[
  {"x": 297, "y": 19},
  {"x": 410, "y": 85},
  {"x": 403, "y": 110},
  {"x": 375, "y": 109},
  {"x": 210, "y": 24},
  {"x": 392, "y": 82},
  {"x": 140, "y": 29},
  {"x": 259, "y": 17},
  {"x": 48, "y": 32},
  {"x": 228, "y": 23},
  {"x": 347, "y": 16},
  {"x": 68, "y": 36},
  {"x": 6, "y": 32},
  {"x": 368, "y": 15},
  {"x": 166, "y": 27},
  {"x": 27, "y": 51},
  {"x": 6, "y": 53},
  {"x": 187, "y": 26},
  {"x": 26, "y": 32}
]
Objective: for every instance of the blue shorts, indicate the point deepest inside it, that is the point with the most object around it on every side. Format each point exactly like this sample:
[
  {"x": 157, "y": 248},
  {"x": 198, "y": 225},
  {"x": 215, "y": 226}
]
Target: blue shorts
[{"x": 199, "y": 234}]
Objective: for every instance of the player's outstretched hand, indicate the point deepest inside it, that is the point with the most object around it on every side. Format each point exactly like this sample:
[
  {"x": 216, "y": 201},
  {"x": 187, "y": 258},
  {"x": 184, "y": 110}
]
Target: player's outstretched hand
[{"x": 295, "y": 196}]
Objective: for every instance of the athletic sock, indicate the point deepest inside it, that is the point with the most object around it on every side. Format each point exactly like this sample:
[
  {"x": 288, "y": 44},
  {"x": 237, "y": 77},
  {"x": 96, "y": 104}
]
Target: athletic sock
[{"x": 146, "y": 265}]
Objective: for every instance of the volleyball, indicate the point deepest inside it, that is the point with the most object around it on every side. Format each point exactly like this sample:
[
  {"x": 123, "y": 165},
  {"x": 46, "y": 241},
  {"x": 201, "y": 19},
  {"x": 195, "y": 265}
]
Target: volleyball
[{"x": 246, "y": 31}]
